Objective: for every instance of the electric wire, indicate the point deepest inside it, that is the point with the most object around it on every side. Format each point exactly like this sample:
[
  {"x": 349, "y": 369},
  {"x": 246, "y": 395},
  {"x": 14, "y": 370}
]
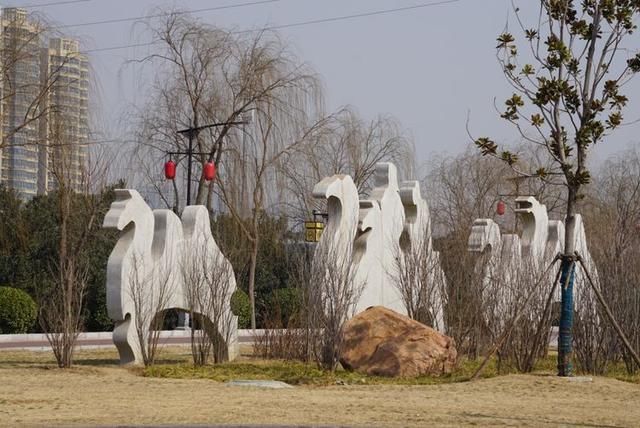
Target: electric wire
[
  {"x": 56, "y": 3},
  {"x": 354, "y": 16},
  {"x": 160, "y": 15},
  {"x": 297, "y": 24}
]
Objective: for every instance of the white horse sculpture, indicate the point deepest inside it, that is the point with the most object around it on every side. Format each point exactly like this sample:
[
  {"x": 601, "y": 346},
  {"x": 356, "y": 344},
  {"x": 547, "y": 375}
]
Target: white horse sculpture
[
  {"x": 416, "y": 239},
  {"x": 509, "y": 260},
  {"x": 368, "y": 233},
  {"x": 147, "y": 271}
]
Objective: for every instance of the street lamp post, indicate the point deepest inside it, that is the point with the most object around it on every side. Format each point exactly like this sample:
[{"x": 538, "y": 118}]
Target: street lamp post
[{"x": 192, "y": 133}]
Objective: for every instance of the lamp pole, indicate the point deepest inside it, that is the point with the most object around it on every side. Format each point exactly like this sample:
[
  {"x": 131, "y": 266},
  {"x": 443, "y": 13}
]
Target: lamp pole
[{"x": 192, "y": 133}]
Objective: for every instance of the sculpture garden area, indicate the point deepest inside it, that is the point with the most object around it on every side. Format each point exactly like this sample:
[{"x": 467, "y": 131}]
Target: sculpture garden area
[{"x": 392, "y": 371}]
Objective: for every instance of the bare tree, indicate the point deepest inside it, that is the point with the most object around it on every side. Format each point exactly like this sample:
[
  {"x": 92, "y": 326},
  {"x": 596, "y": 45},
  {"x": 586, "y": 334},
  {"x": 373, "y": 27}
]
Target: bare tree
[
  {"x": 61, "y": 309},
  {"x": 331, "y": 294},
  {"x": 208, "y": 281},
  {"x": 346, "y": 144},
  {"x": 210, "y": 75},
  {"x": 567, "y": 97},
  {"x": 78, "y": 210},
  {"x": 151, "y": 288},
  {"x": 516, "y": 302},
  {"x": 207, "y": 75},
  {"x": 612, "y": 213},
  {"x": 420, "y": 281},
  {"x": 459, "y": 190}
]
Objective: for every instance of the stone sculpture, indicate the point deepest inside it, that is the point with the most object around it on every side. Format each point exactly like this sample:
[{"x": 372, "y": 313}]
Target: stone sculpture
[
  {"x": 373, "y": 232},
  {"x": 416, "y": 239},
  {"x": 151, "y": 269},
  {"x": 384, "y": 198},
  {"x": 341, "y": 195},
  {"x": 506, "y": 261}
]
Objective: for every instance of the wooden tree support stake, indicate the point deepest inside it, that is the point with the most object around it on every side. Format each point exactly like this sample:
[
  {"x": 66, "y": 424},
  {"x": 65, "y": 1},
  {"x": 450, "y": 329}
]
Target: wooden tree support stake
[
  {"x": 505, "y": 335},
  {"x": 607, "y": 310}
]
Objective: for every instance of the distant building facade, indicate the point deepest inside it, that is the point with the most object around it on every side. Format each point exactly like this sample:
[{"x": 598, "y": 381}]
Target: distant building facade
[
  {"x": 44, "y": 109},
  {"x": 64, "y": 127}
]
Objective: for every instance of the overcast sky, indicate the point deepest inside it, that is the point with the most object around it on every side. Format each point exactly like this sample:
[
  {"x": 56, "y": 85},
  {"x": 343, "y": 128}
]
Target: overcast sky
[{"x": 428, "y": 67}]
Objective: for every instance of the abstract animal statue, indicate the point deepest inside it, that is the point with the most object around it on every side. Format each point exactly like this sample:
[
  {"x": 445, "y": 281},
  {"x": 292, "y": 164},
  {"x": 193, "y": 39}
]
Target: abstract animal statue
[
  {"x": 160, "y": 263},
  {"x": 414, "y": 242},
  {"x": 508, "y": 263},
  {"x": 375, "y": 234}
]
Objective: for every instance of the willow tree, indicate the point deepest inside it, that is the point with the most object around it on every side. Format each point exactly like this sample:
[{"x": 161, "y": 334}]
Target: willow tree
[
  {"x": 567, "y": 97},
  {"x": 347, "y": 144},
  {"x": 266, "y": 104}
]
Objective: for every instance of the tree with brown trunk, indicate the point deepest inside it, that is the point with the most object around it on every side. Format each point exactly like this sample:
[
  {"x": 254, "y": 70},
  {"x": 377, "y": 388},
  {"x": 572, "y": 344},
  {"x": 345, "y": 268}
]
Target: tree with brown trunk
[
  {"x": 331, "y": 292},
  {"x": 61, "y": 308},
  {"x": 208, "y": 287},
  {"x": 568, "y": 96},
  {"x": 210, "y": 75}
]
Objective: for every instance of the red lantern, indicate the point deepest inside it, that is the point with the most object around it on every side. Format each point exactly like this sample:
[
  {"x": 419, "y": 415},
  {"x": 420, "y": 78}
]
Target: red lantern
[
  {"x": 501, "y": 208},
  {"x": 209, "y": 171},
  {"x": 170, "y": 170}
]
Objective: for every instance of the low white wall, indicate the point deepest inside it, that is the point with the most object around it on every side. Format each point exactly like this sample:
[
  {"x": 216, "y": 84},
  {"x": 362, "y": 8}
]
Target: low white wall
[{"x": 39, "y": 341}]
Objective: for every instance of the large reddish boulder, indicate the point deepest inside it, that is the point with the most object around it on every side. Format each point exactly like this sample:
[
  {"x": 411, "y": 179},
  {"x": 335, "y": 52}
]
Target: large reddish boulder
[{"x": 382, "y": 342}]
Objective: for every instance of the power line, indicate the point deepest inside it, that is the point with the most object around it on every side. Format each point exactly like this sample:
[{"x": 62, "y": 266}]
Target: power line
[
  {"x": 300, "y": 24},
  {"x": 354, "y": 16},
  {"x": 160, "y": 15},
  {"x": 114, "y": 48},
  {"x": 56, "y": 3}
]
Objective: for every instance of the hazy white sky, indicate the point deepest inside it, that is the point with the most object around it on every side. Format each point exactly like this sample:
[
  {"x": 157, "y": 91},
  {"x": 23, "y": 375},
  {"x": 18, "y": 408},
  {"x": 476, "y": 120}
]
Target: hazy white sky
[{"x": 428, "y": 67}]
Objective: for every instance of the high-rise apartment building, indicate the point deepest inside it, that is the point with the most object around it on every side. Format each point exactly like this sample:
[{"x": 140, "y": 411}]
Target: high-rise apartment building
[
  {"x": 64, "y": 127},
  {"x": 44, "y": 93},
  {"x": 20, "y": 80}
]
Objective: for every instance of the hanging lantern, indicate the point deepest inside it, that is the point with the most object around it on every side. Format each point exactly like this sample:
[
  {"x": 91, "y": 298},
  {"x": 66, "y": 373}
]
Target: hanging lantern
[
  {"x": 209, "y": 171},
  {"x": 313, "y": 230},
  {"x": 170, "y": 170},
  {"x": 501, "y": 207}
]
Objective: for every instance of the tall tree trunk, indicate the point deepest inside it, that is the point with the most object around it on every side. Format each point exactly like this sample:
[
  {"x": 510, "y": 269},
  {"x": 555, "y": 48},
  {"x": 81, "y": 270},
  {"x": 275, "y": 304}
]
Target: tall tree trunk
[
  {"x": 565, "y": 337},
  {"x": 252, "y": 279},
  {"x": 203, "y": 189}
]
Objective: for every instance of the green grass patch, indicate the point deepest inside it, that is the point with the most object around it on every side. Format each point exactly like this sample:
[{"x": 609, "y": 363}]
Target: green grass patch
[
  {"x": 298, "y": 373},
  {"x": 619, "y": 371},
  {"x": 175, "y": 362}
]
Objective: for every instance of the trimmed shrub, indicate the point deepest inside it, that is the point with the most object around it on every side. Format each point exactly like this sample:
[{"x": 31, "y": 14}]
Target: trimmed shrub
[
  {"x": 241, "y": 307},
  {"x": 18, "y": 311}
]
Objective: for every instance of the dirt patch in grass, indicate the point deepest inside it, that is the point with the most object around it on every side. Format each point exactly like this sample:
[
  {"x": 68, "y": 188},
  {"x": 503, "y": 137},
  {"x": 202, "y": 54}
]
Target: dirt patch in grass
[{"x": 35, "y": 393}]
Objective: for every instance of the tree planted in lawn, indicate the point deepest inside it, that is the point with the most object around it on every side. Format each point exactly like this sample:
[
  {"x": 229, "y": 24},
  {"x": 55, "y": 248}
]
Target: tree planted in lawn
[{"x": 567, "y": 97}]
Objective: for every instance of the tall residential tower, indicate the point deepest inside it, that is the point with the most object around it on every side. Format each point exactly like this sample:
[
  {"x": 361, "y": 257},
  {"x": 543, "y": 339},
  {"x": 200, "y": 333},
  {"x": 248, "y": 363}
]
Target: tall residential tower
[
  {"x": 20, "y": 80},
  {"x": 44, "y": 94},
  {"x": 64, "y": 126}
]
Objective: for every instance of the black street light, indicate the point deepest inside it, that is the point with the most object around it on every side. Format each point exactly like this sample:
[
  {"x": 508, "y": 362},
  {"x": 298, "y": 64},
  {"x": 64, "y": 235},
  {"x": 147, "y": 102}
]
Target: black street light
[{"x": 192, "y": 133}]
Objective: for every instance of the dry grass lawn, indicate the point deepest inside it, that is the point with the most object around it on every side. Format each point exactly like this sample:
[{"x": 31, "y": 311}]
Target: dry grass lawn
[{"x": 97, "y": 392}]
